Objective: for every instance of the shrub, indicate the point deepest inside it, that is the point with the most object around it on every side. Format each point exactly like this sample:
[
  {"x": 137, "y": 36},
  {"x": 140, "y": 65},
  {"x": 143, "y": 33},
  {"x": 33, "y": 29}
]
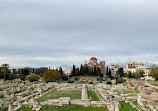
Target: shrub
[
  {"x": 154, "y": 73},
  {"x": 101, "y": 75},
  {"x": 100, "y": 79},
  {"x": 32, "y": 77},
  {"x": 64, "y": 77},
  {"x": 1, "y": 95},
  {"x": 108, "y": 82},
  {"x": 90, "y": 82},
  {"x": 121, "y": 80},
  {"x": 4, "y": 109},
  {"x": 22, "y": 77},
  {"x": 51, "y": 75},
  {"x": 76, "y": 79},
  {"x": 70, "y": 81}
]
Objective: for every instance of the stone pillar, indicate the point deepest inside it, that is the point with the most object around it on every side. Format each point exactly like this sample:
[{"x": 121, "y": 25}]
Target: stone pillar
[
  {"x": 117, "y": 108},
  {"x": 10, "y": 107},
  {"x": 112, "y": 106},
  {"x": 84, "y": 92},
  {"x": 19, "y": 104},
  {"x": 84, "y": 97}
]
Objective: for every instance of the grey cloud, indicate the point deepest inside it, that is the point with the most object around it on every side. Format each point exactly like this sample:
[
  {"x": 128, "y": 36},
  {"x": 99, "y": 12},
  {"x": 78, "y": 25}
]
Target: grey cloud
[{"x": 80, "y": 28}]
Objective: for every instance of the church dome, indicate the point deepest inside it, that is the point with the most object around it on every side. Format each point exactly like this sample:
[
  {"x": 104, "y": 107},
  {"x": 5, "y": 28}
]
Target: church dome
[{"x": 93, "y": 58}]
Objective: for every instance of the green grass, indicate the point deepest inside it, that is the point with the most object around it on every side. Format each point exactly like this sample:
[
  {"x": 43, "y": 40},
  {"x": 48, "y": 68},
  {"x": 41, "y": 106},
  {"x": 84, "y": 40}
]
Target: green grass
[
  {"x": 135, "y": 103},
  {"x": 156, "y": 101},
  {"x": 126, "y": 107},
  {"x": 82, "y": 82},
  {"x": 24, "y": 109},
  {"x": 155, "y": 84},
  {"x": 131, "y": 93},
  {"x": 156, "y": 90},
  {"x": 71, "y": 108},
  {"x": 93, "y": 95},
  {"x": 73, "y": 94}
]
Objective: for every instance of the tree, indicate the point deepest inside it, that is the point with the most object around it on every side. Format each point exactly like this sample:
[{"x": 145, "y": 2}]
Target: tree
[
  {"x": 73, "y": 73},
  {"x": 77, "y": 72},
  {"x": 86, "y": 70},
  {"x": 138, "y": 74},
  {"x": 120, "y": 72},
  {"x": 107, "y": 69},
  {"x": 110, "y": 73},
  {"x": 129, "y": 74},
  {"x": 60, "y": 70},
  {"x": 25, "y": 71},
  {"x": 64, "y": 77},
  {"x": 51, "y": 75},
  {"x": 5, "y": 70},
  {"x": 82, "y": 70},
  {"x": 14, "y": 71},
  {"x": 154, "y": 73},
  {"x": 32, "y": 77}
]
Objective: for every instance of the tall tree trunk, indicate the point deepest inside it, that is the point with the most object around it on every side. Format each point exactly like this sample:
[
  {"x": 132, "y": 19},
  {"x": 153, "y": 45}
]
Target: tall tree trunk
[{"x": 5, "y": 76}]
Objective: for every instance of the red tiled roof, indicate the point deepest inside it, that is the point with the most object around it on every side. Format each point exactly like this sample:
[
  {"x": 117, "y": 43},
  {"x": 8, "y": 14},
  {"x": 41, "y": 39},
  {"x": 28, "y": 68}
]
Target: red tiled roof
[{"x": 93, "y": 58}]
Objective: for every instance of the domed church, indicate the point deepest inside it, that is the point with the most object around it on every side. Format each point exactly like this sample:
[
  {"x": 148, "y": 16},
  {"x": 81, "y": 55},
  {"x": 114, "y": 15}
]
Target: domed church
[{"x": 93, "y": 63}]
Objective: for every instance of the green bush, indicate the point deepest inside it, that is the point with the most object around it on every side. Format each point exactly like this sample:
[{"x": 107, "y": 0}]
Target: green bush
[
  {"x": 108, "y": 82},
  {"x": 1, "y": 95},
  {"x": 76, "y": 79},
  {"x": 51, "y": 75},
  {"x": 22, "y": 77},
  {"x": 121, "y": 80},
  {"x": 70, "y": 81},
  {"x": 4, "y": 109},
  {"x": 100, "y": 79},
  {"x": 90, "y": 82},
  {"x": 64, "y": 77},
  {"x": 32, "y": 77}
]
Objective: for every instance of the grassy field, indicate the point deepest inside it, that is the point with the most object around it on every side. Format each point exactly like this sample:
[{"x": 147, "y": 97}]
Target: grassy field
[
  {"x": 73, "y": 94},
  {"x": 155, "y": 84},
  {"x": 93, "y": 95},
  {"x": 126, "y": 107},
  {"x": 71, "y": 108},
  {"x": 25, "y": 109}
]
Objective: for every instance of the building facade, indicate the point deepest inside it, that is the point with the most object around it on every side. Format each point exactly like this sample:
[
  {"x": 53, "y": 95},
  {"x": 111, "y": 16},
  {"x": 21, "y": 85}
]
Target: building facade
[
  {"x": 114, "y": 68},
  {"x": 133, "y": 67},
  {"x": 68, "y": 71},
  {"x": 94, "y": 63}
]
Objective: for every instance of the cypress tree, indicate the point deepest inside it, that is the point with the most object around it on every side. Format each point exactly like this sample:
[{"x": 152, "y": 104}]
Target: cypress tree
[
  {"x": 73, "y": 73},
  {"x": 107, "y": 73},
  {"x": 60, "y": 70}
]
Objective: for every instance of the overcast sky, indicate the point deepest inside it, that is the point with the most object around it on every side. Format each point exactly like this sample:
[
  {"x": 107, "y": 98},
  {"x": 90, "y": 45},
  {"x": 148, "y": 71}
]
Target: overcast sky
[{"x": 56, "y": 33}]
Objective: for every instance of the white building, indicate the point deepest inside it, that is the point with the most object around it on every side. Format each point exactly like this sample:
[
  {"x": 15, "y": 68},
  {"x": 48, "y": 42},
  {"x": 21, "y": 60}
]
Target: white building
[
  {"x": 140, "y": 66},
  {"x": 114, "y": 68},
  {"x": 133, "y": 67},
  {"x": 68, "y": 71}
]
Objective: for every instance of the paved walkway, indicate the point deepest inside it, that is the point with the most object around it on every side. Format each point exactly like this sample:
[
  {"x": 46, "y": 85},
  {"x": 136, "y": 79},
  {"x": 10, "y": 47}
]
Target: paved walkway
[{"x": 147, "y": 84}]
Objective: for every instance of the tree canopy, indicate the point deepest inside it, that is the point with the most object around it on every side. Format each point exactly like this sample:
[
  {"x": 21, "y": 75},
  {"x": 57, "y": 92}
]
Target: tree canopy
[
  {"x": 154, "y": 73},
  {"x": 5, "y": 70},
  {"x": 51, "y": 75},
  {"x": 32, "y": 77}
]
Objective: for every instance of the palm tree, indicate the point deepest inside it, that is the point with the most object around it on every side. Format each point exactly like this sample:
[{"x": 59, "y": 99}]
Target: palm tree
[{"x": 5, "y": 70}]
